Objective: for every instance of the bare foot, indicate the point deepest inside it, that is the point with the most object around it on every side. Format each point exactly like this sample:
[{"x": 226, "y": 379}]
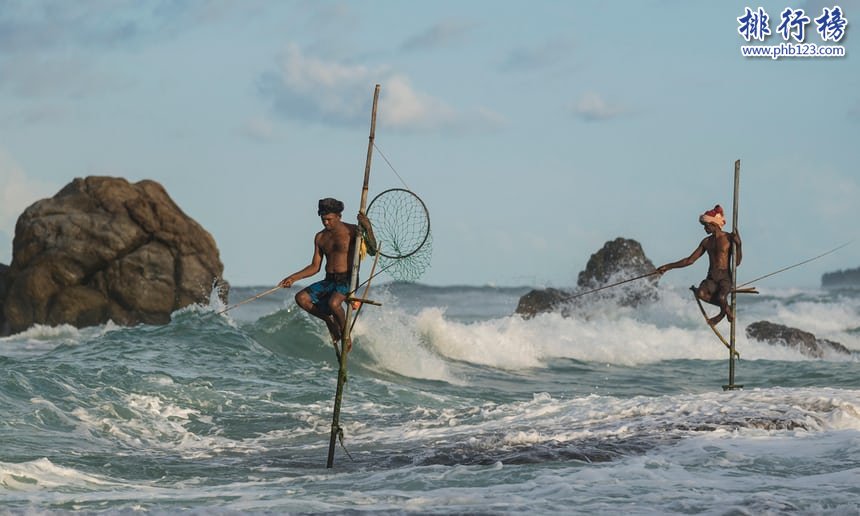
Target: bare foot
[
  {"x": 713, "y": 321},
  {"x": 730, "y": 315}
]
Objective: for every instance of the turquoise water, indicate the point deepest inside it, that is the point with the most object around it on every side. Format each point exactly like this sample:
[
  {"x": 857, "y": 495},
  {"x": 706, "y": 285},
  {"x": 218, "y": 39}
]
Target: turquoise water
[{"x": 452, "y": 406}]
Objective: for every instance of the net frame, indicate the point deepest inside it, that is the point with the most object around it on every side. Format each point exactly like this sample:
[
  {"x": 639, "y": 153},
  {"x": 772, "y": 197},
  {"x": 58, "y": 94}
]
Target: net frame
[
  {"x": 401, "y": 224},
  {"x": 388, "y": 219}
]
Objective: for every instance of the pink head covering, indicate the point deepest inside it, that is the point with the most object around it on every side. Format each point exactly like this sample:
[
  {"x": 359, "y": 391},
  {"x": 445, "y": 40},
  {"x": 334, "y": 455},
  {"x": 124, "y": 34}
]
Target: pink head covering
[{"x": 715, "y": 216}]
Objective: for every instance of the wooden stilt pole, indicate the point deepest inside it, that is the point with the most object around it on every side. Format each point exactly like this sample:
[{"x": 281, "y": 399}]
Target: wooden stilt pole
[
  {"x": 733, "y": 267},
  {"x": 346, "y": 341}
]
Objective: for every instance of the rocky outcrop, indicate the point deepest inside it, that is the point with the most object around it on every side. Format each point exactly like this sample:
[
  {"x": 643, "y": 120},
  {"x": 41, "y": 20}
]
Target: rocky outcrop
[
  {"x": 849, "y": 278},
  {"x": 804, "y": 342},
  {"x": 105, "y": 249},
  {"x": 541, "y": 300},
  {"x": 617, "y": 260},
  {"x": 4, "y": 327}
]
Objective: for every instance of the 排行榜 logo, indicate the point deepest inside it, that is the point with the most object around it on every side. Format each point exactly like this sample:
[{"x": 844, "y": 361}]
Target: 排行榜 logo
[{"x": 793, "y": 26}]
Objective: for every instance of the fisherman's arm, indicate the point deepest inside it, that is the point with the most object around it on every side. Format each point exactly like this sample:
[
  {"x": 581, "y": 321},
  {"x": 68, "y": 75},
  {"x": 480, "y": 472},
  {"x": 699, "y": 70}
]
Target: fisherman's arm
[
  {"x": 369, "y": 237},
  {"x": 736, "y": 238},
  {"x": 683, "y": 262},
  {"x": 310, "y": 270}
]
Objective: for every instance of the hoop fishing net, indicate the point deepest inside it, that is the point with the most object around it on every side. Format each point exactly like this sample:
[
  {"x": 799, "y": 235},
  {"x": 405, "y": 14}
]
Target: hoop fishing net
[{"x": 401, "y": 224}]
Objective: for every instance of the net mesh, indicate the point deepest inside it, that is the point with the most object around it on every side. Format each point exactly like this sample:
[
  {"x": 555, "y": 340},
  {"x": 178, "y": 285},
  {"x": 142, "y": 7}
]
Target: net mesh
[{"x": 401, "y": 224}]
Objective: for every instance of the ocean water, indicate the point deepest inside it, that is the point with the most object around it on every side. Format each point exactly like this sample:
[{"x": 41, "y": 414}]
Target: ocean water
[{"x": 453, "y": 405}]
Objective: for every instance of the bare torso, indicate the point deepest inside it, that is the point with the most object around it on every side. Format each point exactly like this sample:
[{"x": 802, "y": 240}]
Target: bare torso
[{"x": 336, "y": 244}]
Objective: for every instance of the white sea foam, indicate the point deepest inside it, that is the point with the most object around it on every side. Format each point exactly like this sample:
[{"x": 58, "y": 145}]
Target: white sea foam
[
  {"x": 549, "y": 420},
  {"x": 669, "y": 329},
  {"x": 514, "y": 343},
  {"x": 39, "y": 339},
  {"x": 42, "y": 474},
  {"x": 45, "y": 332},
  {"x": 150, "y": 423},
  {"x": 395, "y": 342}
]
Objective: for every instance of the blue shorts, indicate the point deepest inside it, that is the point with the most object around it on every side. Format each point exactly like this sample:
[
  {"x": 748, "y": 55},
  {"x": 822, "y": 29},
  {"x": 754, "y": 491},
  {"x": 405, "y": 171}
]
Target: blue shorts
[{"x": 321, "y": 291}]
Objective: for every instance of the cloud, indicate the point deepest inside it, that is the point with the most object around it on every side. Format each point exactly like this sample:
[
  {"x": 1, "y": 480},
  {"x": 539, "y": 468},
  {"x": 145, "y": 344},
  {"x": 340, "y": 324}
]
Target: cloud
[
  {"x": 592, "y": 107},
  {"x": 537, "y": 57},
  {"x": 27, "y": 26},
  {"x": 55, "y": 76},
  {"x": 259, "y": 129},
  {"x": 53, "y": 47},
  {"x": 34, "y": 27},
  {"x": 308, "y": 88},
  {"x": 17, "y": 192},
  {"x": 442, "y": 34}
]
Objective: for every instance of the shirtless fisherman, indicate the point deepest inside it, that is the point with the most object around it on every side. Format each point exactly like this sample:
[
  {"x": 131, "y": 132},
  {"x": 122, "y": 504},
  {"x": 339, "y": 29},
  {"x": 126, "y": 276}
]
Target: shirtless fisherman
[
  {"x": 324, "y": 299},
  {"x": 718, "y": 285}
]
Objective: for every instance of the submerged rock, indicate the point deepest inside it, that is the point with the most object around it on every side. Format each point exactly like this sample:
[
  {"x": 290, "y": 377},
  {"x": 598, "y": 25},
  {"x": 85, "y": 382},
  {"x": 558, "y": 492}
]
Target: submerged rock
[
  {"x": 803, "y": 341},
  {"x": 105, "y": 249},
  {"x": 617, "y": 260}
]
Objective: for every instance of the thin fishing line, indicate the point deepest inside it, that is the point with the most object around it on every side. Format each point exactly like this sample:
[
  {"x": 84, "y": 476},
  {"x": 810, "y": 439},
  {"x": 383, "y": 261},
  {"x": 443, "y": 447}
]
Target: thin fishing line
[
  {"x": 796, "y": 264},
  {"x": 252, "y": 298},
  {"x": 392, "y": 264},
  {"x": 580, "y": 294},
  {"x": 391, "y": 166}
]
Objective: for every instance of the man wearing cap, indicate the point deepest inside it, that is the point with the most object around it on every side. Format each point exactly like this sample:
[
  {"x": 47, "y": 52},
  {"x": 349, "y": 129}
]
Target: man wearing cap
[
  {"x": 336, "y": 242},
  {"x": 717, "y": 286}
]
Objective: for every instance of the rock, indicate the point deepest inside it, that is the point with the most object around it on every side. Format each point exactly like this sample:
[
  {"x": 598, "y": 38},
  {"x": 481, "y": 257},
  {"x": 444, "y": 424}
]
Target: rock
[
  {"x": 804, "y": 342},
  {"x": 4, "y": 328},
  {"x": 105, "y": 249},
  {"x": 617, "y": 260},
  {"x": 849, "y": 278},
  {"x": 541, "y": 300}
]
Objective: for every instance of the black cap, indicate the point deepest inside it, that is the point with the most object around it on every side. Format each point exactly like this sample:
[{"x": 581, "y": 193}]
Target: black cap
[{"x": 329, "y": 205}]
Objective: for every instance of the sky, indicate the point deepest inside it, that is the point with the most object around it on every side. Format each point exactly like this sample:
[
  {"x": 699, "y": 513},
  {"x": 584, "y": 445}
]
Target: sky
[{"x": 535, "y": 131}]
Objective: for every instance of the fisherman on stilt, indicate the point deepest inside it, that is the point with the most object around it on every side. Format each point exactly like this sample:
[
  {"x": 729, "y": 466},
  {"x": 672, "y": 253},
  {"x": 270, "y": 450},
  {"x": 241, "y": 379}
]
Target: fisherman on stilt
[
  {"x": 716, "y": 288},
  {"x": 336, "y": 242}
]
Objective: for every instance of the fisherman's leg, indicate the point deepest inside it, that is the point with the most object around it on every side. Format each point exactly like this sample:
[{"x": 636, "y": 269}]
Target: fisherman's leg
[
  {"x": 706, "y": 292},
  {"x": 335, "y": 305},
  {"x": 306, "y": 302},
  {"x": 725, "y": 290},
  {"x": 716, "y": 300}
]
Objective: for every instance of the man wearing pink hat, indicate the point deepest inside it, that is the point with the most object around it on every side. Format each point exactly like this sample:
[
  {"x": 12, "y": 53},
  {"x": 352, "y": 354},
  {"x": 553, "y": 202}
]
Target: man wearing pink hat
[{"x": 718, "y": 244}]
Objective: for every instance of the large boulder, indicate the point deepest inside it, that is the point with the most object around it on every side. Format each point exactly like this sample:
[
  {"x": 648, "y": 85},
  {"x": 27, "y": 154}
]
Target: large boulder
[
  {"x": 849, "y": 278},
  {"x": 617, "y": 260},
  {"x": 803, "y": 341},
  {"x": 105, "y": 249}
]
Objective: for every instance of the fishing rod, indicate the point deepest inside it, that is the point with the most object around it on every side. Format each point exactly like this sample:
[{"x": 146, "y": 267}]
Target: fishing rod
[
  {"x": 276, "y": 288},
  {"x": 252, "y": 298},
  {"x": 822, "y": 255},
  {"x": 580, "y": 294}
]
